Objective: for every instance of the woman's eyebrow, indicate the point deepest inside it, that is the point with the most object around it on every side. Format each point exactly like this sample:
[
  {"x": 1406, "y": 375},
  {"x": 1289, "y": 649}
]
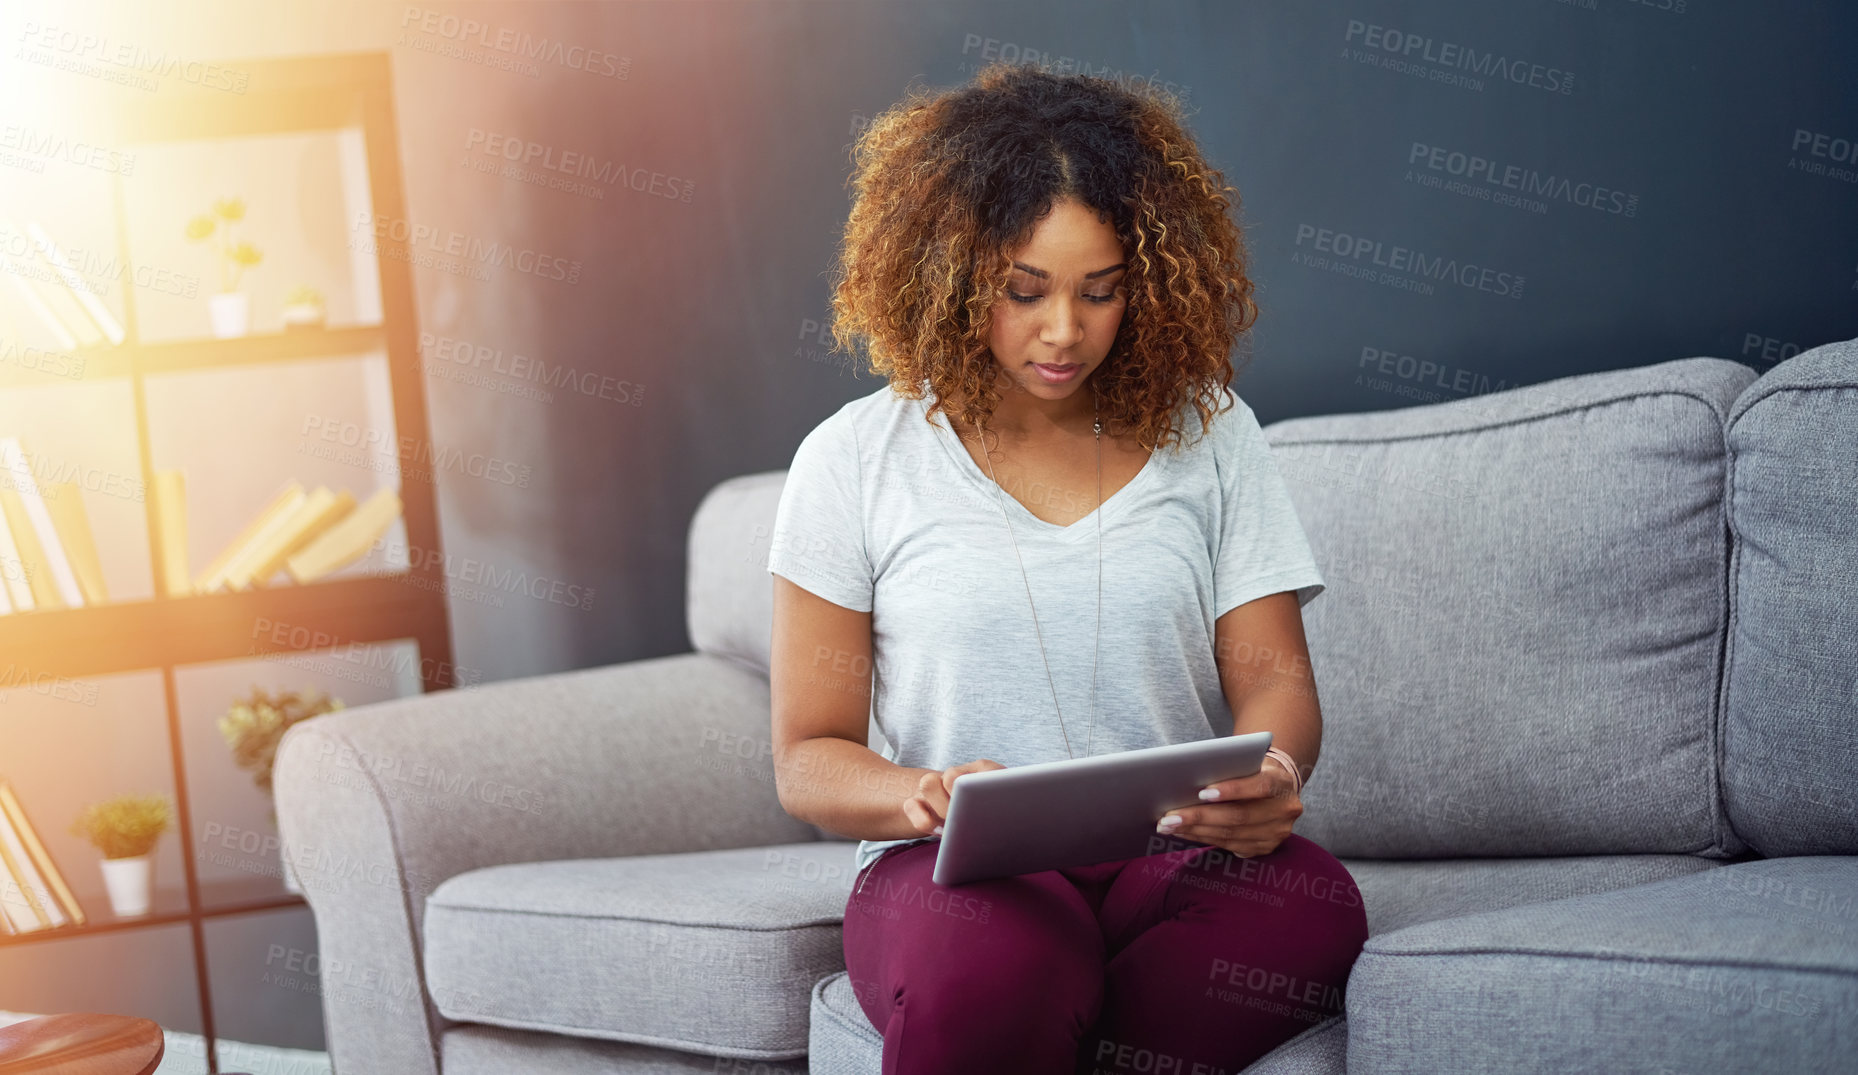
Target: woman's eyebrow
[{"x": 1043, "y": 275}]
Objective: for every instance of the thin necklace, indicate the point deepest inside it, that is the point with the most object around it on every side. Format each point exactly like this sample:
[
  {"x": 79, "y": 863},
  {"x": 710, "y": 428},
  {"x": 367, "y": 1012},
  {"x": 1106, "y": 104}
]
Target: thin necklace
[{"x": 1096, "y": 424}]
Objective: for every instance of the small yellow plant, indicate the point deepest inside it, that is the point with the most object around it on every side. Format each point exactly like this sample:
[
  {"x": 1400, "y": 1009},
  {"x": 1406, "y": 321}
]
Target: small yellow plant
[
  {"x": 234, "y": 257},
  {"x": 125, "y": 826}
]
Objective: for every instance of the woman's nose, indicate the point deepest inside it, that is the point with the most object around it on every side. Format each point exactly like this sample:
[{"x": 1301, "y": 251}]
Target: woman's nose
[{"x": 1062, "y": 327}]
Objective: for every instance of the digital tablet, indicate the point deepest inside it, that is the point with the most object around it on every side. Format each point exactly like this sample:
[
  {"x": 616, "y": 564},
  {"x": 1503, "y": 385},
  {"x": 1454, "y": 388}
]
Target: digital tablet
[{"x": 1080, "y": 811}]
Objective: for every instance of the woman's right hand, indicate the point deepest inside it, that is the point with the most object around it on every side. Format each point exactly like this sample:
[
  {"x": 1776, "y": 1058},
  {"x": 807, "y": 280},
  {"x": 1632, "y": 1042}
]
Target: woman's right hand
[{"x": 928, "y": 808}]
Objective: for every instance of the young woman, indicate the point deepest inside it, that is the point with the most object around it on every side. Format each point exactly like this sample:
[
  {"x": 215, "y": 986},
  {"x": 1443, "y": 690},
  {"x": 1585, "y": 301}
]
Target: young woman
[{"x": 1056, "y": 532}]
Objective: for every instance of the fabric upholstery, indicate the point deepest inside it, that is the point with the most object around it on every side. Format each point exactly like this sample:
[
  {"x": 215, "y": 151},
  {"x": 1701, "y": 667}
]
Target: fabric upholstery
[
  {"x": 1519, "y": 584},
  {"x": 473, "y": 1049},
  {"x": 1751, "y": 966},
  {"x": 1790, "y": 752},
  {"x": 1562, "y": 571},
  {"x": 1405, "y": 893},
  {"x": 1396, "y": 895},
  {"x": 730, "y": 599},
  {"x": 729, "y": 602},
  {"x": 1320, "y": 1050},
  {"x": 707, "y": 951},
  {"x": 379, "y": 804}
]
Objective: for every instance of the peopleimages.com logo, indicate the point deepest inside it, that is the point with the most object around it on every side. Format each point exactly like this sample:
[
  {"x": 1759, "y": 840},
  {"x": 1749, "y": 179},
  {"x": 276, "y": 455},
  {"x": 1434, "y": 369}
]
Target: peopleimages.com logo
[
  {"x": 1527, "y": 183},
  {"x": 469, "y": 247},
  {"x": 1404, "y": 51},
  {"x": 1824, "y": 154},
  {"x": 516, "y": 44},
  {"x": 1357, "y": 255}
]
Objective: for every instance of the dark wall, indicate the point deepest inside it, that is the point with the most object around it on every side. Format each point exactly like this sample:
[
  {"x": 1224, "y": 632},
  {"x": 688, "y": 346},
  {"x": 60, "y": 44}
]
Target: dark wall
[{"x": 1441, "y": 199}]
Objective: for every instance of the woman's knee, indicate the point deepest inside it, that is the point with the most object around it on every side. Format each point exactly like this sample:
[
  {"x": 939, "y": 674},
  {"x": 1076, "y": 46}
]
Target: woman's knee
[
  {"x": 1322, "y": 893},
  {"x": 1021, "y": 964},
  {"x": 1299, "y": 879}
]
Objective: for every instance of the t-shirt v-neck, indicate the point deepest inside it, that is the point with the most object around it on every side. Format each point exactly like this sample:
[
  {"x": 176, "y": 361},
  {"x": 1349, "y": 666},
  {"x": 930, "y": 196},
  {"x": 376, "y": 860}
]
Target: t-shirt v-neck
[
  {"x": 884, "y": 512},
  {"x": 1022, "y": 516}
]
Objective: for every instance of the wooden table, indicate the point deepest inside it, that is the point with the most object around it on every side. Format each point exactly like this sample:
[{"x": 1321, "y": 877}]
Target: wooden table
[{"x": 81, "y": 1044}]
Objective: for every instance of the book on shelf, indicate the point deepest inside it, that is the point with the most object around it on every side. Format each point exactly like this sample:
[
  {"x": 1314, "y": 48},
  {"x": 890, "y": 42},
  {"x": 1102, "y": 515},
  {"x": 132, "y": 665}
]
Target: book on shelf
[
  {"x": 170, "y": 493},
  {"x": 48, "y": 552},
  {"x": 281, "y": 505},
  {"x": 34, "y": 531},
  {"x": 307, "y": 535},
  {"x": 318, "y": 512},
  {"x": 15, "y": 591},
  {"x": 275, "y": 530},
  {"x": 33, "y": 894},
  {"x": 58, "y": 294},
  {"x": 65, "y": 501},
  {"x": 348, "y": 540}
]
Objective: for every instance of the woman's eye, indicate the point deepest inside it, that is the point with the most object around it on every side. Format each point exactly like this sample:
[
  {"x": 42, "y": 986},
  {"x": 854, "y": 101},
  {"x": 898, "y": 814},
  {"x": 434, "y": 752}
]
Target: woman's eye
[{"x": 1017, "y": 297}]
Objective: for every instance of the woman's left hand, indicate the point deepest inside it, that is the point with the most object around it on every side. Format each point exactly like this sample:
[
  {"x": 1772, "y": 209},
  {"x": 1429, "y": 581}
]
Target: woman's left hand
[{"x": 1249, "y": 817}]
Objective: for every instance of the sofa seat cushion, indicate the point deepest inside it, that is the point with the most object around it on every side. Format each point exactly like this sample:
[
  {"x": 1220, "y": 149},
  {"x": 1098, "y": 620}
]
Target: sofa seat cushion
[
  {"x": 1751, "y": 966},
  {"x": 1407, "y": 892},
  {"x": 475, "y": 1049},
  {"x": 712, "y": 952}
]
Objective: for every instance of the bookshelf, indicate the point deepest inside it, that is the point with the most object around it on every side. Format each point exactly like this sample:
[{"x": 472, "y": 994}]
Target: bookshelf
[{"x": 345, "y": 94}]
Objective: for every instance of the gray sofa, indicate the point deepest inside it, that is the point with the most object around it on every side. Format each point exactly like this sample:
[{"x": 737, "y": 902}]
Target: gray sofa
[{"x": 1588, "y": 662}]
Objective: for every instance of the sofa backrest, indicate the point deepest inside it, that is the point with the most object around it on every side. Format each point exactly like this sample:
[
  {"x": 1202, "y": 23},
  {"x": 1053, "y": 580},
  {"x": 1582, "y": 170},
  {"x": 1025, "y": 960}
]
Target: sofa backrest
[
  {"x": 1520, "y": 647},
  {"x": 1517, "y": 651},
  {"x": 1790, "y": 687},
  {"x": 729, "y": 594}
]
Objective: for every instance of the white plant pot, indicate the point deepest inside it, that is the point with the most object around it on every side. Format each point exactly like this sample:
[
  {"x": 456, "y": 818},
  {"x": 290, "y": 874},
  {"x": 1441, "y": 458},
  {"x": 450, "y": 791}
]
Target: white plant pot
[
  {"x": 231, "y": 312},
  {"x": 130, "y": 882},
  {"x": 302, "y": 315}
]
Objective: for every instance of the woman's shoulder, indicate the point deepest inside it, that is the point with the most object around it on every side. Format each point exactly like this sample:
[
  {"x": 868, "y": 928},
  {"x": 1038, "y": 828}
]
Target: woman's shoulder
[{"x": 1210, "y": 433}]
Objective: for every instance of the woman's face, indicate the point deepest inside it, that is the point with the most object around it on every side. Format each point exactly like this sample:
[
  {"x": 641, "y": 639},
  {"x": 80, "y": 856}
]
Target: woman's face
[{"x": 1063, "y": 305}]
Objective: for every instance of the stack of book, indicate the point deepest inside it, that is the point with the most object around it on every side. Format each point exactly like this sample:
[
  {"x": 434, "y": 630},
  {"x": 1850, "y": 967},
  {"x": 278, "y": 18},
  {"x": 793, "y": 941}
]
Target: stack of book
[
  {"x": 75, "y": 318},
  {"x": 33, "y": 894},
  {"x": 48, "y": 557},
  {"x": 303, "y": 534}
]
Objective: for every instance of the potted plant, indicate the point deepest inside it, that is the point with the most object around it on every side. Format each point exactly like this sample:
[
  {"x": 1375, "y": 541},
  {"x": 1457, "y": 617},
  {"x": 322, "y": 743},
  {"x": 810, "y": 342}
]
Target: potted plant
[
  {"x": 125, "y": 829},
  {"x": 230, "y": 309},
  {"x": 303, "y": 308},
  {"x": 255, "y": 725}
]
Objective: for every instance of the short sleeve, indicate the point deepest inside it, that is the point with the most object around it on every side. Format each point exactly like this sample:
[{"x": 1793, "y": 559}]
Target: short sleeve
[
  {"x": 1262, "y": 547},
  {"x": 818, "y": 537}
]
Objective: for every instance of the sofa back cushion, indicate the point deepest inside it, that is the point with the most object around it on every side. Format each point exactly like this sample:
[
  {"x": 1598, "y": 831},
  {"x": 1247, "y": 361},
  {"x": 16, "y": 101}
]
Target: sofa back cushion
[
  {"x": 1518, "y": 649},
  {"x": 1790, "y": 750},
  {"x": 729, "y": 594}
]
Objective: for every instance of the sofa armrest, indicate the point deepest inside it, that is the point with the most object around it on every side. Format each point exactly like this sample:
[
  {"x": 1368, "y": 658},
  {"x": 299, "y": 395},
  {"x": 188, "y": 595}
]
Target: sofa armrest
[{"x": 379, "y": 804}]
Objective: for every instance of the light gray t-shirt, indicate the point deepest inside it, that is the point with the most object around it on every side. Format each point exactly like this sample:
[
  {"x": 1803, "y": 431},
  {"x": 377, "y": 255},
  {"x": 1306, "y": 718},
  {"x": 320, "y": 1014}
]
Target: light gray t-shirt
[{"x": 883, "y": 513}]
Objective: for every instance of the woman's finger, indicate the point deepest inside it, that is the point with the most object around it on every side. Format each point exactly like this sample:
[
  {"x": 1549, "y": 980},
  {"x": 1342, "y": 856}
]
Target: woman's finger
[{"x": 1218, "y": 816}]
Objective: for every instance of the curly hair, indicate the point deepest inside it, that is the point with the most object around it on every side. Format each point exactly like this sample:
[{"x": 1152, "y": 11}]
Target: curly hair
[{"x": 947, "y": 183}]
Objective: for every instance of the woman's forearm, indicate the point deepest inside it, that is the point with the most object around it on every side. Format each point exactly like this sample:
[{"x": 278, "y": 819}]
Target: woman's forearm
[
  {"x": 1287, "y": 709},
  {"x": 846, "y": 788}
]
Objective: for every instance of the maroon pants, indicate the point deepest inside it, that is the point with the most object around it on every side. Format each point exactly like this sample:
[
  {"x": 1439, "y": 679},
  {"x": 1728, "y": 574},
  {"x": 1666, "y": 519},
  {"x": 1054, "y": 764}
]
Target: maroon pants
[{"x": 1190, "y": 961}]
